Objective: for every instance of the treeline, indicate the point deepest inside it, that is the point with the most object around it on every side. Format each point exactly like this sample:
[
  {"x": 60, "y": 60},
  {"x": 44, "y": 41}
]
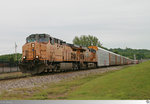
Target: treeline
[
  {"x": 10, "y": 57},
  {"x": 128, "y": 52}
]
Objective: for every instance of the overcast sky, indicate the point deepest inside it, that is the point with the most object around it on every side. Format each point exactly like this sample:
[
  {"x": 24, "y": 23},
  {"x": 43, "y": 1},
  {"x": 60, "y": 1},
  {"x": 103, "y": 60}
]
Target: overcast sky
[{"x": 117, "y": 23}]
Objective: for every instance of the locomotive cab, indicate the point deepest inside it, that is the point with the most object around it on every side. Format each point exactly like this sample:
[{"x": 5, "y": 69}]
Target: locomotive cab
[
  {"x": 35, "y": 46},
  {"x": 34, "y": 53}
]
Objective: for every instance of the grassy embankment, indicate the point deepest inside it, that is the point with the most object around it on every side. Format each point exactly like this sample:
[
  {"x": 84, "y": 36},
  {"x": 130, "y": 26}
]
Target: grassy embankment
[
  {"x": 12, "y": 75},
  {"x": 130, "y": 83}
]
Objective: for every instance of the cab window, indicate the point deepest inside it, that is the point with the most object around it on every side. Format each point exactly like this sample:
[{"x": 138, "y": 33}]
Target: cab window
[
  {"x": 32, "y": 38},
  {"x": 51, "y": 40},
  {"x": 43, "y": 38}
]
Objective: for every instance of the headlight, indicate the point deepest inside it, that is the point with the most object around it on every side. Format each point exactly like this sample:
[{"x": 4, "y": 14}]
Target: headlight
[
  {"x": 37, "y": 56},
  {"x": 24, "y": 57},
  {"x": 32, "y": 45}
]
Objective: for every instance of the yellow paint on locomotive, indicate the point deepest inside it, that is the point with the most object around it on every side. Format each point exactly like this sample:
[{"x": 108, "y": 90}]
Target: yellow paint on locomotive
[
  {"x": 56, "y": 52},
  {"x": 93, "y": 47},
  {"x": 34, "y": 50}
]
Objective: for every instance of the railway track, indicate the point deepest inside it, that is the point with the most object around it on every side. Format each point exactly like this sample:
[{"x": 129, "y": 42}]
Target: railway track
[
  {"x": 19, "y": 76},
  {"x": 29, "y": 75},
  {"x": 39, "y": 80},
  {"x": 12, "y": 77}
]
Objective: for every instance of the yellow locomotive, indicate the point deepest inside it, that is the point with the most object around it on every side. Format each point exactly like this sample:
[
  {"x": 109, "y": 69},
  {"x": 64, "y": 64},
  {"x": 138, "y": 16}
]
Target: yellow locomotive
[{"x": 43, "y": 53}]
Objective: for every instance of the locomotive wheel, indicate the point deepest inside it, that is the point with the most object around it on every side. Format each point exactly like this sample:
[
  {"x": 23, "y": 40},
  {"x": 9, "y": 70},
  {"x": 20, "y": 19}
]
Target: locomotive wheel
[
  {"x": 56, "y": 68},
  {"x": 86, "y": 66},
  {"x": 75, "y": 66}
]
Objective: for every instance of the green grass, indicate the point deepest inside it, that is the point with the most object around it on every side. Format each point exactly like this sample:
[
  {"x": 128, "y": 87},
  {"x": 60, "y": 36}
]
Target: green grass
[
  {"x": 54, "y": 91},
  {"x": 129, "y": 83}
]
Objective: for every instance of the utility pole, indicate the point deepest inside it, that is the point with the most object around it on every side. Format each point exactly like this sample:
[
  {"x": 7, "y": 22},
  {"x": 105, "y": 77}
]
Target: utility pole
[
  {"x": 16, "y": 55},
  {"x": 134, "y": 57},
  {"x": 16, "y": 50}
]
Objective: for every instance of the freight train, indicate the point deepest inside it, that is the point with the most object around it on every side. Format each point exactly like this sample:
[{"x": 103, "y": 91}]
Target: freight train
[{"x": 44, "y": 53}]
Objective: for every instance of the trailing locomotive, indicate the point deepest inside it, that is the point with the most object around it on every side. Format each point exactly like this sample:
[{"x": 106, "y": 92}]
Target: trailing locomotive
[{"x": 43, "y": 53}]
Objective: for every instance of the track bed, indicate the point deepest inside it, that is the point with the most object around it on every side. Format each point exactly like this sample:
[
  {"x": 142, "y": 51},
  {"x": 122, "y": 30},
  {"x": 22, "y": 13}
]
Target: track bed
[{"x": 33, "y": 81}]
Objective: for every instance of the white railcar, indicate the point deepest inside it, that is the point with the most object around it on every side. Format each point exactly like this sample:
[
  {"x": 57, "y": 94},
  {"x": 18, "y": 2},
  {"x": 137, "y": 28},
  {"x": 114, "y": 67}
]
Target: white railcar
[
  {"x": 122, "y": 60},
  {"x": 107, "y": 58},
  {"x": 112, "y": 58},
  {"x": 103, "y": 57},
  {"x": 118, "y": 60}
]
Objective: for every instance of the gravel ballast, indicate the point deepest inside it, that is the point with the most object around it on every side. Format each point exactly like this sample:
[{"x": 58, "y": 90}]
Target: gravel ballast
[{"x": 40, "y": 80}]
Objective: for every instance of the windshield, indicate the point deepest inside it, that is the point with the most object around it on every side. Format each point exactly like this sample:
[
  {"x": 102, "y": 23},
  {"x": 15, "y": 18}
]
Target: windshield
[
  {"x": 31, "y": 40},
  {"x": 38, "y": 38},
  {"x": 43, "y": 38}
]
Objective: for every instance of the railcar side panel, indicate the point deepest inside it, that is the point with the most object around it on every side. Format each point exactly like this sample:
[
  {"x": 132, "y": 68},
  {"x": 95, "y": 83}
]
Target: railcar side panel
[
  {"x": 118, "y": 60},
  {"x": 112, "y": 58},
  {"x": 103, "y": 57},
  {"x": 122, "y": 60}
]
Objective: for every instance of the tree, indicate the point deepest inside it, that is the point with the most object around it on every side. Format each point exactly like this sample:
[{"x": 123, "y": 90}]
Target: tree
[
  {"x": 12, "y": 60},
  {"x": 140, "y": 56},
  {"x": 116, "y": 51},
  {"x": 87, "y": 41},
  {"x": 128, "y": 52}
]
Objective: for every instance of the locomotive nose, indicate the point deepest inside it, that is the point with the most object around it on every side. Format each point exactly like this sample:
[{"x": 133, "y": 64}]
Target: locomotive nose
[{"x": 30, "y": 50}]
